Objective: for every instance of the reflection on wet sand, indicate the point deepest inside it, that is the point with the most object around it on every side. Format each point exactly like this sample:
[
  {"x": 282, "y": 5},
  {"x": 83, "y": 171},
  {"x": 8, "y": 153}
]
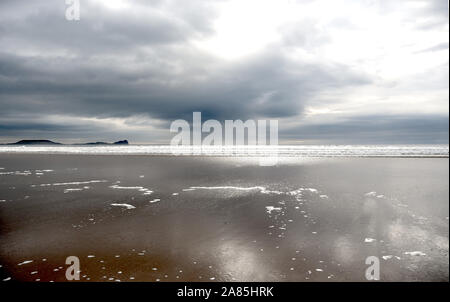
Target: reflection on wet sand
[{"x": 180, "y": 219}]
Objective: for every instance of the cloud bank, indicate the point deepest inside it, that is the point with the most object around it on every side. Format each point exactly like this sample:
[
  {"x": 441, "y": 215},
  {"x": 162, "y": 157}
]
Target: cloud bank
[{"x": 329, "y": 71}]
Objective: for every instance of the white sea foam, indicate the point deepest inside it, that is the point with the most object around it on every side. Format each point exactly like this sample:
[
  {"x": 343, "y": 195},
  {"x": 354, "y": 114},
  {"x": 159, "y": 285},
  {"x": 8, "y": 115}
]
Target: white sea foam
[
  {"x": 371, "y": 194},
  {"x": 25, "y": 262},
  {"x": 369, "y": 240},
  {"x": 229, "y": 188},
  {"x": 75, "y": 189},
  {"x": 126, "y": 188},
  {"x": 145, "y": 191},
  {"x": 74, "y": 183},
  {"x": 415, "y": 253},
  {"x": 295, "y": 192},
  {"x": 269, "y": 209},
  {"x": 253, "y": 151},
  {"x": 261, "y": 189},
  {"x": 125, "y": 205},
  {"x": 24, "y": 173}
]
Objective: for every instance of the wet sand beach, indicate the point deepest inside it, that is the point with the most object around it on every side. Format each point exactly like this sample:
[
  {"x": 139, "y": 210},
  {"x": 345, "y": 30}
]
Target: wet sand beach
[{"x": 155, "y": 218}]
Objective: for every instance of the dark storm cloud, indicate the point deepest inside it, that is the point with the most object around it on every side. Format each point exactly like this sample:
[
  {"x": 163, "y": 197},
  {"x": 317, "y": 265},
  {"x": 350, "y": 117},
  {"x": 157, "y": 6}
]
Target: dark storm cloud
[
  {"x": 18, "y": 127},
  {"x": 119, "y": 66},
  {"x": 267, "y": 85}
]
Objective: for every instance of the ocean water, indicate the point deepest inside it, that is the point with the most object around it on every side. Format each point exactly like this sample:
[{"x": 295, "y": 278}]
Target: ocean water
[{"x": 281, "y": 150}]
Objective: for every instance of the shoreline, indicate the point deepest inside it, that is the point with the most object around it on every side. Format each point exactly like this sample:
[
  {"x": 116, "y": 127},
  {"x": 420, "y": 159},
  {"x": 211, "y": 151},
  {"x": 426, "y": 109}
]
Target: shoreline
[{"x": 224, "y": 156}]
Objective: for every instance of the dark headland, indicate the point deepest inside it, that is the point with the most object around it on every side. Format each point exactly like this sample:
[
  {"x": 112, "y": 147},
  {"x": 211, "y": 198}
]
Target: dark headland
[
  {"x": 124, "y": 142},
  {"x": 49, "y": 142},
  {"x": 35, "y": 142}
]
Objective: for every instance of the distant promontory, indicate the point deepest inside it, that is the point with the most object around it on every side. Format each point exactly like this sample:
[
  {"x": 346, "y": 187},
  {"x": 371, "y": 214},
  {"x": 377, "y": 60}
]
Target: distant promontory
[
  {"x": 49, "y": 142},
  {"x": 35, "y": 142}
]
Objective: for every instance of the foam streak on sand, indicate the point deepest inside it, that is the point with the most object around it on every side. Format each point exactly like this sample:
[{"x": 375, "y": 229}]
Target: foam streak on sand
[
  {"x": 270, "y": 209},
  {"x": 229, "y": 188},
  {"x": 371, "y": 194},
  {"x": 141, "y": 189},
  {"x": 72, "y": 183},
  {"x": 262, "y": 190},
  {"x": 25, "y": 173},
  {"x": 125, "y": 205},
  {"x": 415, "y": 253},
  {"x": 25, "y": 262},
  {"x": 369, "y": 240},
  {"x": 75, "y": 189}
]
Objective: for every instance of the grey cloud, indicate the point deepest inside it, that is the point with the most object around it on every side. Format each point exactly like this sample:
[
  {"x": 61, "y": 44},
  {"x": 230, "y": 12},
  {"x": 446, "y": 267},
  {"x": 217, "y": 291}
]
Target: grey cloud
[
  {"x": 122, "y": 64},
  {"x": 267, "y": 85},
  {"x": 423, "y": 15},
  {"x": 101, "y": 31},
  {"x": 304, "y": 34},
  {"x": 376, "y": 129},
  {"x": 441, "y": 46}
]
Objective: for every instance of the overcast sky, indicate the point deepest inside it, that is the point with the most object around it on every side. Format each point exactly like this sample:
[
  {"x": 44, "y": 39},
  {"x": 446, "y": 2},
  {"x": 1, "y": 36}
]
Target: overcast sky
[{"x": 331, "y": 72}]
